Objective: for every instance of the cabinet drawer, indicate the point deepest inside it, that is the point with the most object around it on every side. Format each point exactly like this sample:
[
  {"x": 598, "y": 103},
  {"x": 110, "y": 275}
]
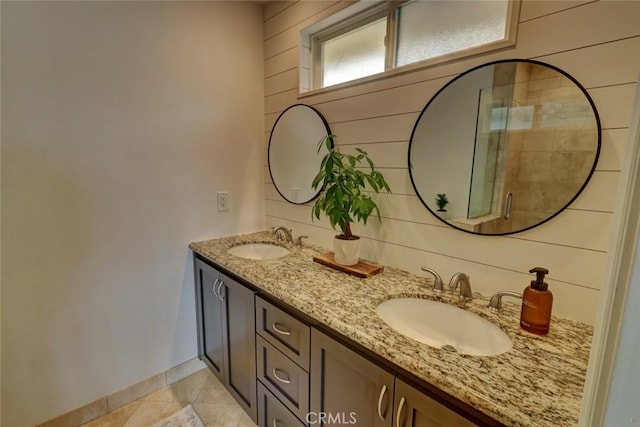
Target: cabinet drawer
[
  {"x": 286, "y": 380},
  {"x": 285, "y": 332},
  {"x": 271, "y": 412}
]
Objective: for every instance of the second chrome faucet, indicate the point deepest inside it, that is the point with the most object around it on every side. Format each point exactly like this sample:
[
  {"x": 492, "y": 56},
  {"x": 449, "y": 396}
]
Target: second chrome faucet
[{"x": 459, "y": 279}]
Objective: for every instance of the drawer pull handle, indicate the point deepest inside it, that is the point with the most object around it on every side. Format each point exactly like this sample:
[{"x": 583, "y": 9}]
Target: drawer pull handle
[
  {"x": 279, "y": 378},
  {"x": 213, "y": 287},
  {"x": 275, "y": 325},
  {"x": 276, "y": 422},
  {"x": 382, "y": 393},
  {"x": 219, "y": 289},
  {"x": 400, "y": 407}
]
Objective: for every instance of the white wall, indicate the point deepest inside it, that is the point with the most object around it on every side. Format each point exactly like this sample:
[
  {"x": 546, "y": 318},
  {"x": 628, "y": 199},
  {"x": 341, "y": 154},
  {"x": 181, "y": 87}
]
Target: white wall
[
  {"x": 596, "y": 42},
  {"x": 121, "y": 120},
  {"x": 622, "y": 407}
]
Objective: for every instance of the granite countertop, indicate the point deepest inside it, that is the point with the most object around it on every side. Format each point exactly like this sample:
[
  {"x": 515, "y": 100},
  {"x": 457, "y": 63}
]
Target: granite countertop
[{"x": 539, "y": 382}]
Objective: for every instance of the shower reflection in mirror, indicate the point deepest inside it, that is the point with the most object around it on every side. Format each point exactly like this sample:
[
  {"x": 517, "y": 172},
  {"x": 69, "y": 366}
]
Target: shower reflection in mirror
[{"x": 512, "y": 143}]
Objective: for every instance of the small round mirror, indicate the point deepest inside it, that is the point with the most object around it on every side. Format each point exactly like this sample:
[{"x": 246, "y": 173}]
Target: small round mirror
[
  {"x": 293, "y": 155},
  {"x": 504, "y": 147}
]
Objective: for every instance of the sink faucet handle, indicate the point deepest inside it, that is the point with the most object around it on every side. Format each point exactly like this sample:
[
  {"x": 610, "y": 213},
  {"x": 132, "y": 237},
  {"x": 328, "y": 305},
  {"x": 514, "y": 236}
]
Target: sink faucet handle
[
  {"x": 298, "y": 240},
  {"x": 438, "y": 286},
  {"x": 495, "y": 303},
  {"x": 465, "y": 286}
]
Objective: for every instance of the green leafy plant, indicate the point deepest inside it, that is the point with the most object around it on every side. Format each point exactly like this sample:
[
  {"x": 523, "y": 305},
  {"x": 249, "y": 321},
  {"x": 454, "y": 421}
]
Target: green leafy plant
[
  {"x": 442, "y": 201},
  {"x": 343, "y": 199}
]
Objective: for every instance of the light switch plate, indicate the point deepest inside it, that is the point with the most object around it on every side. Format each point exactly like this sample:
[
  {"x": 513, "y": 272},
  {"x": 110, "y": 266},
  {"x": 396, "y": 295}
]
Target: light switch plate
[{"x": 223, "y": 201}]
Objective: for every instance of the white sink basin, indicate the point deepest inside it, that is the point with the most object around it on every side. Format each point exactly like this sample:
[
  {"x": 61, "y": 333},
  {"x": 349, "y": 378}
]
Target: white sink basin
[
  {"x": 444, "y": 326},
  {"x": 258, "y": 251}
]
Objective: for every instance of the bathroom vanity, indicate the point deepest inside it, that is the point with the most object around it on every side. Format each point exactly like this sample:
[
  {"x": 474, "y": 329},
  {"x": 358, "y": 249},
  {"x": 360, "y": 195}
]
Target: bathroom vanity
[{"x": 297, "y": 343}]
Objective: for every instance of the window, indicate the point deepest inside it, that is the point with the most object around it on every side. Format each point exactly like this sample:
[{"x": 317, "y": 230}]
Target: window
[
  {"x": 355, "y": 54},
  {"x": 362, "y": 41}
]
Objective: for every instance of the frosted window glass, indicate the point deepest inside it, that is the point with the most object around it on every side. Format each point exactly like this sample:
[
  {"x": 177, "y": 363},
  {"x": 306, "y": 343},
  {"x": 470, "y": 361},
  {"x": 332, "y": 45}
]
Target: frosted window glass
[
  {"x": 355, "y": 54},
  {"x": 430, "y": 28}
]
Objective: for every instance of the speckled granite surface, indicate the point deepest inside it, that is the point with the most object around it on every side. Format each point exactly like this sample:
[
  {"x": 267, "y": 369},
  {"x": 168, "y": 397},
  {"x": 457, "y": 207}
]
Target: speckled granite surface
[{"x": 538, "y": 382}]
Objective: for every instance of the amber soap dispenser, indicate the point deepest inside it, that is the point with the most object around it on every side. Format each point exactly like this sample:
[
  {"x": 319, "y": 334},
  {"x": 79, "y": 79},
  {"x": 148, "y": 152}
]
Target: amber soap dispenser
[{"x": 537, "y": 300}]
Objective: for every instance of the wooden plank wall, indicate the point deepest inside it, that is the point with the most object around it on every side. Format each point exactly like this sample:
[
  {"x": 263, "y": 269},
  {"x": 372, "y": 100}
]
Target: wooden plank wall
[{"x": 598, "y": 42}]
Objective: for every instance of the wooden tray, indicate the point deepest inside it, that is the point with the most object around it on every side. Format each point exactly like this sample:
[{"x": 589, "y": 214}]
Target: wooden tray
[{"x": 362, "y": 269}]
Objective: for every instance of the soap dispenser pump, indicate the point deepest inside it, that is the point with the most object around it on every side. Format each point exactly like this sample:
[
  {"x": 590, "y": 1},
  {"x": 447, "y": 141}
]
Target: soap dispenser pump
[{"x": 537, "y": 300}]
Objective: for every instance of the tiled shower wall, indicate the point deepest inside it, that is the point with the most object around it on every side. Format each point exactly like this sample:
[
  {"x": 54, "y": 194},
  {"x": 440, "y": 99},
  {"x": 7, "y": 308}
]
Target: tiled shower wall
[{"x": 596, "y": 42}]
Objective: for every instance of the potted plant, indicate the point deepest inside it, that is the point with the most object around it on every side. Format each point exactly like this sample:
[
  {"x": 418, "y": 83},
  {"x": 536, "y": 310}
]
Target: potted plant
[
  {"x": 441, "y": 202},
  {"x": 343, "y": 200}
]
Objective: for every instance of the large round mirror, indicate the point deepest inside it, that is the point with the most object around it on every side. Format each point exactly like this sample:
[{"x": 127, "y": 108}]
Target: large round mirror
[
  {"x": 294, "y": 159},
  {"x": 504, "y": 147}
]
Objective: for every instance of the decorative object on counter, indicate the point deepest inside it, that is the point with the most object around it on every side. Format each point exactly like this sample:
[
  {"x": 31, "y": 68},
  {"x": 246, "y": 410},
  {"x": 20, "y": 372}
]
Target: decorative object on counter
[
  {"x": 441, "y": 202},
  {"x": 537, "y": 300},
  {"x": 362, "y": 269},
  {"x": 292, "y": 154},
  {"x": 343, "y": 199},
  {"x": 530, "y": 134}
]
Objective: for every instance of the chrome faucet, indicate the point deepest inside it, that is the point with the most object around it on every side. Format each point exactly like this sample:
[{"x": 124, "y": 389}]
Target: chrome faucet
[
  {"x": 495, "y": 303},
  {"x": 438, "y": 287},
  {"x": 298, "y": 240},
  {"x": 280, "y": 231},
  {"x": 465, "y": 286}
]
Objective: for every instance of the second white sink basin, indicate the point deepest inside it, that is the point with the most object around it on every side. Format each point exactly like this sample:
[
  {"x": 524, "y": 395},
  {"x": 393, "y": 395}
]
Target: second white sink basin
[
  {"x": 444, "y": 326},
  {"x": 258, "y": 251}
]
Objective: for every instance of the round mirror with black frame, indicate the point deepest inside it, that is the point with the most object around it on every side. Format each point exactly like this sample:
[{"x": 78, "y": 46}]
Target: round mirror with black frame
[
  {"x": 504, "y": 147},
  {"x": 294, "y": 156}
]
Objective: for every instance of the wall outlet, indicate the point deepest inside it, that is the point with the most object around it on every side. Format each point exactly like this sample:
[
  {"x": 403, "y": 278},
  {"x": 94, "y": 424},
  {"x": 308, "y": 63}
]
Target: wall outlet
[{"x": 223, "y": 201}]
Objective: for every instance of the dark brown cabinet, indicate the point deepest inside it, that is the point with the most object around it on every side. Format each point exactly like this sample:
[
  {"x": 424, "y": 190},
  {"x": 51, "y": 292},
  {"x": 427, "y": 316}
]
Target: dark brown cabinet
[
  {"x": 415, "y": 409},
  {"x": 226, "y": 333},
  {"x": 271, "y": 412},
  {"x": 284, "y": 373},
  {"x": 346, "y": 388},
  {"x": 282, "y": 355}
]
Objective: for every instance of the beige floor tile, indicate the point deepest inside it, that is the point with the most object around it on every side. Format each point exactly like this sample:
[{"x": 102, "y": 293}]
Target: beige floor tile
[
  {"x": 149, "y": 413},
  {"x": 245, "y": 421},
  {"x": 218, "y": 415},
  {"x": 186, "y": 390},
  {"x": 214, "y": 392},
  {"x": 116, "y": 418}
]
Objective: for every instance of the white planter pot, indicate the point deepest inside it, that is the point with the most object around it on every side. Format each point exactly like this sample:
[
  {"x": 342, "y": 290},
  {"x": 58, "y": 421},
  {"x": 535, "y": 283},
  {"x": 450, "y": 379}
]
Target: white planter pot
[
  {"x": 442, "y": 214},
  {"x": 346, "y": 252}
]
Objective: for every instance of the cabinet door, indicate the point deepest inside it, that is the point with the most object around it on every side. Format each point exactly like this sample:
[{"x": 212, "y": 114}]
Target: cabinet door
[
  {"x": 240, "y": 341},
  {"x": 210, "y": 318},
  {"x": 415, "y": 409},
  {"x": 346, "y": 388}
]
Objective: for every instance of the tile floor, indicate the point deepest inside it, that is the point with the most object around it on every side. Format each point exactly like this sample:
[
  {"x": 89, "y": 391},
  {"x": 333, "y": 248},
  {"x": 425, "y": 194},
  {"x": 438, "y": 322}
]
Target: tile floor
[{"x": 211, "y": 401}]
